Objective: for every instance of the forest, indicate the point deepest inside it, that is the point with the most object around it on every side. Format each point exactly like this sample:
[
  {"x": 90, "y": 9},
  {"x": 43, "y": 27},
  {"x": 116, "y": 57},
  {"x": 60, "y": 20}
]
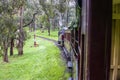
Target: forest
[
  {"x": 20, "y": 22},
  {"x": 15, "y": 15}
]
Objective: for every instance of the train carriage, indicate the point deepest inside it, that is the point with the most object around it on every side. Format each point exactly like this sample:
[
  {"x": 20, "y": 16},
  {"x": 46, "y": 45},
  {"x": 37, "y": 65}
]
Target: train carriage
[{"x": 93, "y": 45}]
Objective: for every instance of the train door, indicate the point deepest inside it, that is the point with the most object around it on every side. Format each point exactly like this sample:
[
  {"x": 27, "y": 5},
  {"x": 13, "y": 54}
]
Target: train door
[
  {"x": 115, "y": 57},
  {"x": 96, "y": 39}
]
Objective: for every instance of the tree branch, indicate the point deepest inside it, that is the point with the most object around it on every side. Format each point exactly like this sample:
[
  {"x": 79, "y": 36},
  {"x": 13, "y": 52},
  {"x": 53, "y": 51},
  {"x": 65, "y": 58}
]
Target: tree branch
[{"x": 31, "y": 20}]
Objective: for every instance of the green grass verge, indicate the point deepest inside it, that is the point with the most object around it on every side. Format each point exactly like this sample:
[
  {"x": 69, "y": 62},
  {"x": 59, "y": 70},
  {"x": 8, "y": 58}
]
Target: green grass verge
[
  {"x": 53, "y": 34},
  {"x": 37, "y": 63}
]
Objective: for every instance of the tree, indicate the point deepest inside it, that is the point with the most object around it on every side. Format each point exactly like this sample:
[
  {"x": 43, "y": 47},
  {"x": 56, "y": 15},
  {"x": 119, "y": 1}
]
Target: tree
[
  {"x": 20, "y": 6},
  {"x": 20, "y": 33},
  {"x": 47, "y": 7},
  {"x": 55, "y": 9},
  {"x": 11, "y": 46},
  {"x": 6, "y": 32},
  {"x": 52, "y": 10},
  {"x": 8, "y": 24}
]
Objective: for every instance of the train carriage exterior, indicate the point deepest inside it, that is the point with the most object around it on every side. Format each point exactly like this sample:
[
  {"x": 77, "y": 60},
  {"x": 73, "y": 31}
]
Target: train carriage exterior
[{"x": 94, "y": 46}]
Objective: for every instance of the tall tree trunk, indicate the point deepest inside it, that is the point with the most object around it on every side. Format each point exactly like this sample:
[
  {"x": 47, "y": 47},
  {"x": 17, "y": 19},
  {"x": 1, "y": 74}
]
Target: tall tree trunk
[
  {"x": 49, "y": 28},
  {"x": 53, "y": 24},
  {"x": 11, "y": 46},
  {"x": 5, "y": 51},
  {"x": 20, "y": 45},
  {"x": 30, "y": 28},
  {"x": 49, "y": 31},
  {"x": 20, "y": 48}
]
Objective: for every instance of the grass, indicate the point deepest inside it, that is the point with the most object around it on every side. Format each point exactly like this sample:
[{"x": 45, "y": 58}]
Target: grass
[
  {"x": 37, "y": 63},
  {"x": 53, "y": 34}
]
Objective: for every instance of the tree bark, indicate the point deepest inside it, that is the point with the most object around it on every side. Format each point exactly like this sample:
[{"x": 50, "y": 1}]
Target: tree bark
[
  {"x": 5, "y": 59},
  {"x": 53, "y": 24},
  {"x": 20, "y": 48},
  {"x": 49, "y": 31},
  {"x": 11, "y": 46},
  {"x": 49, "y": 28},
  {"x": 5, "y": 51},
  {"x": 20, "y": 44}
]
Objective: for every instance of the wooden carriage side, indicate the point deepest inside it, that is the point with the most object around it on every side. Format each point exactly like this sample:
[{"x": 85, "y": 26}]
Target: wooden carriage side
[{"x": 91, "y": 42}]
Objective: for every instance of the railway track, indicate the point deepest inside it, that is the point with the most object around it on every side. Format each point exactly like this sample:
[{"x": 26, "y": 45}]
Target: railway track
[
  {"x": 63, "y": 53},
  {"x": 56, "y": 44}
]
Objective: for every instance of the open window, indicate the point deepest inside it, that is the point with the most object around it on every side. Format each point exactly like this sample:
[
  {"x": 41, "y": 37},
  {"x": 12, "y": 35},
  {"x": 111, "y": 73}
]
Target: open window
[{"x": 115, "y": 56}]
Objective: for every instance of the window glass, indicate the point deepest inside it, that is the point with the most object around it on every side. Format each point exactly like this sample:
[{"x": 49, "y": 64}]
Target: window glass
[
  {"x": 111, "y": 73},
  {"x": 118, "y": 76}
]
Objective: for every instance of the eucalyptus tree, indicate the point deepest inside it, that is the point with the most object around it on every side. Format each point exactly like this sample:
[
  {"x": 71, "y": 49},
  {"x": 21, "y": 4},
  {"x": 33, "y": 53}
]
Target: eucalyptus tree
[
  {"x": 66, "y": 11},
  {"x": 47, "y": 7},
  {"x": 7, "y": 27},
  {"x": 57, "y": 11},
  {"x": 8, "y": 24},
  {"x": 6, "y": 33},
  {"x": 51, "y": 10},
  {"x": 19, "y": 5},
  {"x": 29, "y": 15}
]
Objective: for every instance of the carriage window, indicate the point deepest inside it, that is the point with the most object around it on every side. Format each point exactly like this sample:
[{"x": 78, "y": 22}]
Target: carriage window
[
  {"x": 119, "y": 8},
  {"x": 111, "y": 73},
  {"x": 118, "y": 76},
  {"x": 113, "y": 40},
  {"x": 115, "y": 56},
  {"x": 114, "y": 9}
]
